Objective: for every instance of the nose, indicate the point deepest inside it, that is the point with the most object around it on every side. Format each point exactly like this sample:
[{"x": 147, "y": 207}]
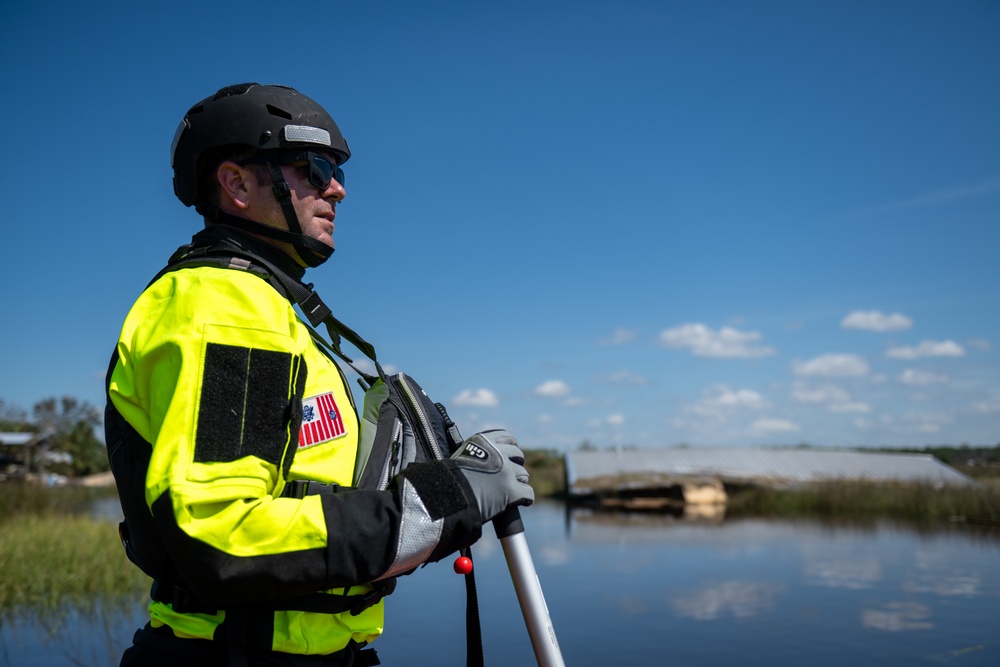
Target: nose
[{"x": 334, "y": 191}]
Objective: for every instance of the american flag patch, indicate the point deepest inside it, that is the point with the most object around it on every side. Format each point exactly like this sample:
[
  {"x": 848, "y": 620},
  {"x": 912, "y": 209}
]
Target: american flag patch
[{"x": 321, "y": 421}]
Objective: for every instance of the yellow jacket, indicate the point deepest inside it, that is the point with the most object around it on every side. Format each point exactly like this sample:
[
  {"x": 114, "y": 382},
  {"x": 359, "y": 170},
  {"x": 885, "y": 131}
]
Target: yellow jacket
[{"x": 218, "y": 399}]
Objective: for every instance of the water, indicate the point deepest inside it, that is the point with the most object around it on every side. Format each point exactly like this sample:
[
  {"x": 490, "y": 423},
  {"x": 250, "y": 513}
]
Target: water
[{"x": 649, "y": 590}]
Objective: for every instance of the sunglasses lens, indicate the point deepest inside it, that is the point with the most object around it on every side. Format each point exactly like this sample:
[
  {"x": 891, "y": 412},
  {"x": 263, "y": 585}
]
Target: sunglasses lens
[{"x": 322, "y": 170}]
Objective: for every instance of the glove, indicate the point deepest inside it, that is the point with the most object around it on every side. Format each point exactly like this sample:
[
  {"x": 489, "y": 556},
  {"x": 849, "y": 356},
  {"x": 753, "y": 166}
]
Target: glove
[{"x": 493, "y": 464}]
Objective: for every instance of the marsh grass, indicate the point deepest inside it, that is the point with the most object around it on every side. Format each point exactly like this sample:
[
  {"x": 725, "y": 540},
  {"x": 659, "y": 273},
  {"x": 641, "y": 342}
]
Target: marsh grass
[
  {"x": 54, "y": 555},
  {"x": 918, "y": 504}
]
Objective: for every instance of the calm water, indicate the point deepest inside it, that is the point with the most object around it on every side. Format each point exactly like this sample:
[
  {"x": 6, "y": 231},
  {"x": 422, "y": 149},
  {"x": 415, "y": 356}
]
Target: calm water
[{"x": 643, "y": 590}]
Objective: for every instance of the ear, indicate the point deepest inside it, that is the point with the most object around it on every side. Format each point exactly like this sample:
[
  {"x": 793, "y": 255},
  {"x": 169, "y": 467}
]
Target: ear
[{"x": 236, "y": 184}]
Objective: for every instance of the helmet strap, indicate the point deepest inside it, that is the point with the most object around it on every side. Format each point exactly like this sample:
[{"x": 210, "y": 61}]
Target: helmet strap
[{"x": 311, "y": 252}]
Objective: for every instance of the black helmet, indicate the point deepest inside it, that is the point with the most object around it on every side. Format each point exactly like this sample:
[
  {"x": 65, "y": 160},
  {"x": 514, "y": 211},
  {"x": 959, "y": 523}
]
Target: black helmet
[
  {"x": 252, "y": 115},
  {"x": 270, "y": 119}
]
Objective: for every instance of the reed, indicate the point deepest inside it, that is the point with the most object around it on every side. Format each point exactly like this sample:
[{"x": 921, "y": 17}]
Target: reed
[
  {"x": 55, "y": 555},
  {"x": 920, "y": 504}
]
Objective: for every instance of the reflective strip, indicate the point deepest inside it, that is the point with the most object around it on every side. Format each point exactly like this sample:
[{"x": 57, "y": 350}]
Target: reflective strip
[
  {"x": 306, "y": 134},
  {"x": 418, "y": 533}
]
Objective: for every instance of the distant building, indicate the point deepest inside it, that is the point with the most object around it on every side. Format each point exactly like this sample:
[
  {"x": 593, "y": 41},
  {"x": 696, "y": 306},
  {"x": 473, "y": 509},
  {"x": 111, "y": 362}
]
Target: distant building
[
  {"x": 27, "y": 452},
  {"x": 698, "y": 474}
]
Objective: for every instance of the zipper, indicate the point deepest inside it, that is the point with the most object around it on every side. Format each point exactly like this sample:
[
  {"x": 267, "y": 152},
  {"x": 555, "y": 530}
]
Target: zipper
[
  {"x": 425, "y": 423},
  {"x": 397, "y": 437}
]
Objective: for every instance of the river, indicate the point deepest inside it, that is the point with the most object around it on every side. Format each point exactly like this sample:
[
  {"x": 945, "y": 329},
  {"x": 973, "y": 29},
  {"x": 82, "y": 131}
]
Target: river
[{"x": 653, "y": 590}]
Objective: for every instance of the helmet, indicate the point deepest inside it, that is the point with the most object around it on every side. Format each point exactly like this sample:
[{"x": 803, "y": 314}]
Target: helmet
[
  {"x": 271, "y": 119},
  {"x": 262, "y": 117}
]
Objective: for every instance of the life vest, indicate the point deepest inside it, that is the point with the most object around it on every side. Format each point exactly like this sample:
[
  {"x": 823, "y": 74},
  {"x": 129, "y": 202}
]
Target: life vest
[{"x": 399, "y": 425}]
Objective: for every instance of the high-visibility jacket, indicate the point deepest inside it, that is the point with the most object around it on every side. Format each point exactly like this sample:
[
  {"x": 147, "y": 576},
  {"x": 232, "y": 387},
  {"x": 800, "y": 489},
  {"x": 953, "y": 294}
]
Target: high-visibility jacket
[{"x": 222, "y": 399}]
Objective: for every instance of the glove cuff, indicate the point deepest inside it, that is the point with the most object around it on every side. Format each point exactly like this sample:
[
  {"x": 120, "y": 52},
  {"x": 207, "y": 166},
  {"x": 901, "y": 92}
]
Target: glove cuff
[{"x": 447, "y": 497}]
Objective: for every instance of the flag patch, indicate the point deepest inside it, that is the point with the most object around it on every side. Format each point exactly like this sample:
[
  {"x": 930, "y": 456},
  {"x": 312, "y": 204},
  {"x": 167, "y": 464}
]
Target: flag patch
[{"x": 321, "y": 421}]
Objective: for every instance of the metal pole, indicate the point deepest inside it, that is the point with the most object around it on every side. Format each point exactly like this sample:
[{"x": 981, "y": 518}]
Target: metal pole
[{"x": 510, "y": 531}]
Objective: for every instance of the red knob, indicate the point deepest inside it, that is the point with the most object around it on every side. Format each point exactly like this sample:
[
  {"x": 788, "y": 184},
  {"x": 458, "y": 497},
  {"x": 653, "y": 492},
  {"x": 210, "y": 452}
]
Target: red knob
[{"x": 463, "y": 565}]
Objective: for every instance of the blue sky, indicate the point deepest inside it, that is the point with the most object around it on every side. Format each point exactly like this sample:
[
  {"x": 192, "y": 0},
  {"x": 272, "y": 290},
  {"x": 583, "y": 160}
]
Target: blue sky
[{"x": 644, "y": 223}]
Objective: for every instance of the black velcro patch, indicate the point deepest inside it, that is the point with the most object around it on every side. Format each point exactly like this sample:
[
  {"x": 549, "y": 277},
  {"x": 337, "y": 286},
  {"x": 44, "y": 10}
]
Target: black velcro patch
[
  {"x": 244, "y": 404},
  {"x": 437, "y": 487}
]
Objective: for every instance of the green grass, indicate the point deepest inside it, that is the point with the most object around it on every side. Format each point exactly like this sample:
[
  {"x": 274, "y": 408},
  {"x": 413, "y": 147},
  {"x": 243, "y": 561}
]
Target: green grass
[
  {"x": 547, "y": 470},
  {"x": 918, "y": 504},
  {"x": 54, "y": 554}
]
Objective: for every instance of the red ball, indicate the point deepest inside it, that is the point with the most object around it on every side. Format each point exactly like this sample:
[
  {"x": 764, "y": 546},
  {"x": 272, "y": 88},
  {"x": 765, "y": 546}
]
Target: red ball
[{"x": 463, "y": 565}]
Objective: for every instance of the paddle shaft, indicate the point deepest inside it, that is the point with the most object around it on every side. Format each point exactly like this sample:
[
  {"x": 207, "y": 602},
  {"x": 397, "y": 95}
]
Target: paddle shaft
[{"x": 510, "y": 531}]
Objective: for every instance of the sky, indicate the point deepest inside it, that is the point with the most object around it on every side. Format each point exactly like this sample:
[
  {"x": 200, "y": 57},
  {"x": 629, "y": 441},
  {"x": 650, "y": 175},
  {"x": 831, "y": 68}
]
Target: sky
[{"x": 712, "y": 223}]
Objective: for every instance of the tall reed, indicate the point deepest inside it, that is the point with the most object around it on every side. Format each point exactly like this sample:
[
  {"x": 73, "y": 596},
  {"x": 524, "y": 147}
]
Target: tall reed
[
  {"x": 54, "y": 554},
  {"x": 916, "y": 503}
]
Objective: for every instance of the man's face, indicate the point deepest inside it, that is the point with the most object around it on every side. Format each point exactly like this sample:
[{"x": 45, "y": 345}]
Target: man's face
[{"x": 316, "y": 208}]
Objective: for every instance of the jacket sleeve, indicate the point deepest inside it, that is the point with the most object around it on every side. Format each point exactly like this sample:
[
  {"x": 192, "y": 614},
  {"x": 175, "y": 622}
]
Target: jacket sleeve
[{"x": 219, "y": 398}]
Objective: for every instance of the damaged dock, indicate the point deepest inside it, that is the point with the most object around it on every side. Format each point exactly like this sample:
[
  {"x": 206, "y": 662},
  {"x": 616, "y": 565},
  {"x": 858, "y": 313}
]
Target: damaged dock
[{"x": 695, "y": 479}]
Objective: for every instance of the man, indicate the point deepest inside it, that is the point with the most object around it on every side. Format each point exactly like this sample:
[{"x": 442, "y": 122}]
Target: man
[{"x": 205, "y": 401}]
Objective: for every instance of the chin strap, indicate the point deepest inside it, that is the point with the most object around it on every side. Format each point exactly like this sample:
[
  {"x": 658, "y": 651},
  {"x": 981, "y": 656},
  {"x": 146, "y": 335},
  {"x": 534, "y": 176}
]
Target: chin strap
[{"x": 310, "y": 251}]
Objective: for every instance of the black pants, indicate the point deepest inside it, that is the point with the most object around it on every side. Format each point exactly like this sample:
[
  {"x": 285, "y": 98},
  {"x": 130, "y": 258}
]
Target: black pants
[{"x": 160, "y": 648}]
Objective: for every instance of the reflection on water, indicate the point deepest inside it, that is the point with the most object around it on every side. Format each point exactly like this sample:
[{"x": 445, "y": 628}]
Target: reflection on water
[
  {"x": 897, "y": 616},
  {"x": 72, "y": 636},
  {"x": 649, "y": 589}
]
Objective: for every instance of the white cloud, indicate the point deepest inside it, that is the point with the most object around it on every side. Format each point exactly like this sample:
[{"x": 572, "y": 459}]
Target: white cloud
[
  {"x": 928, "y": 348},
  {"x": 726, "y": 342},
  {"x": 545, "y": 419},
  {"x": 368, "y": 366},
  {"x": 480, "y": 398},
  {"x": 619, "y": 336},
  {"x": 553, "y": 389},
  {"x": 741, "y": 398},
  {"x": 833, "y": 365},
  {"x": 821, "y": 395},
  {"x": 616, "y": 419},
  {"x": 876, "y": 320},
  {"x": 722, "y": 398},
  {"x": 765, "y": 426},
  {"x": 912, "y": 376},
  {"x": 836, "y": 399}
]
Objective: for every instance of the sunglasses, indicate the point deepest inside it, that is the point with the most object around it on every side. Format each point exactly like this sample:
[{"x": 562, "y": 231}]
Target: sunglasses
[{"x": 319, "y": 169}]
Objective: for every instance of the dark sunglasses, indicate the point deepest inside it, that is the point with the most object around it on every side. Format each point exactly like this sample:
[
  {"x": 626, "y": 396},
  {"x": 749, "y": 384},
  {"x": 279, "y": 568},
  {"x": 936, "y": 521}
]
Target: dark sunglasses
[{"x": 320, "y": 169}]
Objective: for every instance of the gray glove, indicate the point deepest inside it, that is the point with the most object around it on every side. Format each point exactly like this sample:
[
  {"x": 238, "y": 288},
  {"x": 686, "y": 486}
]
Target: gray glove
[{"x": 493, "y": 464}]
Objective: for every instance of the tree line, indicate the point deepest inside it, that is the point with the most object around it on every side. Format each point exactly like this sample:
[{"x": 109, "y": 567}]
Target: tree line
[{"x": 69, "y": 426}]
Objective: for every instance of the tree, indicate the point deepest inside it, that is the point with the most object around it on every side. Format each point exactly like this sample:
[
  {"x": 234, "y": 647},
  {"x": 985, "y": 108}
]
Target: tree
[
  {"x": 13, "y": 419},
  {"x": 71, "y": 425}
]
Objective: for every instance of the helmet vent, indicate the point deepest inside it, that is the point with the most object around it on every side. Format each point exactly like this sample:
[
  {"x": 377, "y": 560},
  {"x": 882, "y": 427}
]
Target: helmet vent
[{"x": 280, "y": 113}]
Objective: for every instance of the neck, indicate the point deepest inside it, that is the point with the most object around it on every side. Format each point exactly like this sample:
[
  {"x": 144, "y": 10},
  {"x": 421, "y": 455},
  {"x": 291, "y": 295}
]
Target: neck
[{"x": 217, "y": 233}]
